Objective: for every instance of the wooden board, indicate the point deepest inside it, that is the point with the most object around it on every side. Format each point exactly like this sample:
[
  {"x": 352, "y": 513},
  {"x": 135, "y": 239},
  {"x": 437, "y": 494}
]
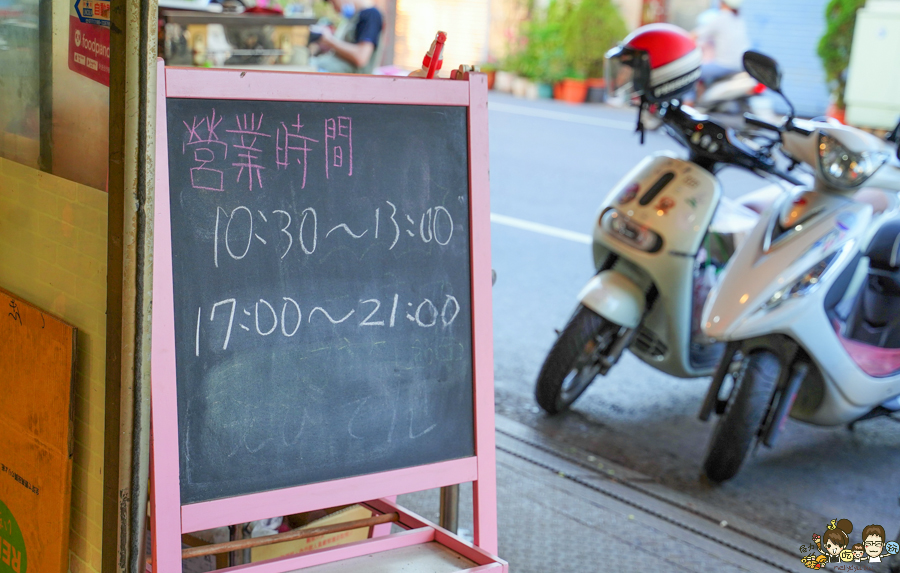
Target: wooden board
[{"x": 37, "y": 374}]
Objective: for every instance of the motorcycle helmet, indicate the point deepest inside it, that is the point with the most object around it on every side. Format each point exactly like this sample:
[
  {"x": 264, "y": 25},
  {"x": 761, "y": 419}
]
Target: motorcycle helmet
[{"x": 655, "y": 63}]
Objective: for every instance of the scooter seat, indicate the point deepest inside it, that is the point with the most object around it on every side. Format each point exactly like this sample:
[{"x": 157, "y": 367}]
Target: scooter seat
[
  {"x": 879, "y": 199},
  {"x": 884, "y": 250},
  {"x": 875, "y": 318}
]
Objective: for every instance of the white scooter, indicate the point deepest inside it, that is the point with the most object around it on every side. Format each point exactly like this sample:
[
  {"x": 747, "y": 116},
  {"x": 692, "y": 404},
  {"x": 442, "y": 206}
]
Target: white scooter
[
  {"x": 660, "y": 237},
  {"x": 735, "y": 94},
  {"x": 809, "y": 302}
]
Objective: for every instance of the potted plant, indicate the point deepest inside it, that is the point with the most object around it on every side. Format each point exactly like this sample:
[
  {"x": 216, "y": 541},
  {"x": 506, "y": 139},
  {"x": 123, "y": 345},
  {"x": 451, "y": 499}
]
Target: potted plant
[
  {"x": 834, "y": 49},
  {"x": 490, "y": 70},
  {"x": 541, "y": 58},
  {"x": 573, "y": 88},
  {"x": 564, "y": 47},
  {"x": 583, "y": 30},
  {"x": 590, "y": 28}
]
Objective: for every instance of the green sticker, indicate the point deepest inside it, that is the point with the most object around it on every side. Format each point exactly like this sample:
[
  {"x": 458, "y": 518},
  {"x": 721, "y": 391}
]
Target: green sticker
[{"x": 12, "y": 544}]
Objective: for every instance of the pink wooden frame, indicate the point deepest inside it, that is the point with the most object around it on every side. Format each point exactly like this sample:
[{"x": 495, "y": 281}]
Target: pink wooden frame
[{"x": 169, "y": 517}]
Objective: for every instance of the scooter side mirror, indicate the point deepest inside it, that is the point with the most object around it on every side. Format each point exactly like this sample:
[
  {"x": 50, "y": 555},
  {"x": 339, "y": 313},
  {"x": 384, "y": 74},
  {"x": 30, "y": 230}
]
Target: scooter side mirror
[
  {"x": 763, "y": 69},
  {"x": 766, "y": 71}
]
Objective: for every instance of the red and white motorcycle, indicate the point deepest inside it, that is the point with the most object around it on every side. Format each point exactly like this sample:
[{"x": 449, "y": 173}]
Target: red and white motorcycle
[{"x": 661, "y": 234}]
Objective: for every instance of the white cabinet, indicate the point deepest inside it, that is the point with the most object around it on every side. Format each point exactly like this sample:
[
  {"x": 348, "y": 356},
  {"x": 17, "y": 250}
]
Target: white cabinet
[{"x": 873, "y": 78}]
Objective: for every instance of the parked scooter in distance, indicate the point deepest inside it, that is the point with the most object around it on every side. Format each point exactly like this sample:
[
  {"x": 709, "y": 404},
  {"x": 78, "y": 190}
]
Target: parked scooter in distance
[
  {"x": 809, "y": 302},
  {"x": 653, "y": 250},
  {"x": 733, "y": 96}
]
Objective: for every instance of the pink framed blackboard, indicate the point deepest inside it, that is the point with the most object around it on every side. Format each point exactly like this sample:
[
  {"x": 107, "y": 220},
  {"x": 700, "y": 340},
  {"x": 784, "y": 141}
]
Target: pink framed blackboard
[{"x": 321, "y": 300}]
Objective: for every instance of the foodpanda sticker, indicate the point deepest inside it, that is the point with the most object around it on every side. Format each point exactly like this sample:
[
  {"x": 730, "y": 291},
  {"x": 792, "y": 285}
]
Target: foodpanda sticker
[
  {"x": 89, "y": 50},
  {"x": 13, "y": 557}
]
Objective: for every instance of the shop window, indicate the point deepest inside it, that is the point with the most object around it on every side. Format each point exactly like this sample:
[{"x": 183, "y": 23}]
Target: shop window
[{"x": 54, "y": 94}]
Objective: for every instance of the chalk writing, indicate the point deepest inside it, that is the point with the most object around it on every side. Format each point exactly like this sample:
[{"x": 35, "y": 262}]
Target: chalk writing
[
  {"x": 246, "y": 130},
  {"x": 285, "y": 142},
  {"x": 212, "y": 316},
  {"x": 361, "y": 427},
  {"x": 394, "y": 221},
  {"x": 411, "y": 419},
  {"x": 339, "y": 156},
  {"x": 347, "y": 230},
  {"x": 434, "y": 225},
  {"x": 445, "y": 350},
  {"x": 289, "y": 318},
  {"x": 203, "y": 177},
  {"x": 321, "y": 267}
]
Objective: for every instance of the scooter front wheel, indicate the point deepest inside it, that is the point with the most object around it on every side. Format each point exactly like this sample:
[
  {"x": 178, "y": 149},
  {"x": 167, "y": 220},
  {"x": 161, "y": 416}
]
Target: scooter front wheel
[
  {"x": 574, "y": 361},
  {"x": 745, "y": 411}
]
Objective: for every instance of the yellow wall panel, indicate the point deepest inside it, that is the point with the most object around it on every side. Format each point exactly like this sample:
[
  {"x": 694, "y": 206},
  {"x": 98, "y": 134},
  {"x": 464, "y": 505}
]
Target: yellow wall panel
[{"x": 53, "y": 254}]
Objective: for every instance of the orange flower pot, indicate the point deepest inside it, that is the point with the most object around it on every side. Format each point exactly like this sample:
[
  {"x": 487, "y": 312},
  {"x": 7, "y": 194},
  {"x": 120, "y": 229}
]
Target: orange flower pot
[
  {"x": 570, "y": 90},
  {"x": 491, "y": 75},
  {"x": 836, "y": 112}
]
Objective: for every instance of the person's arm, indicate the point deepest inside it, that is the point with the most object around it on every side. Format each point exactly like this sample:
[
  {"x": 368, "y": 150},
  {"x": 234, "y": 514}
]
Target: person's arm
[{"x": 357, "y": 54}]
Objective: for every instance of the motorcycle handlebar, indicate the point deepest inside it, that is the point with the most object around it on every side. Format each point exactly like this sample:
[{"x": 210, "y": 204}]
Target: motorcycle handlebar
[
  {"x": 687, "y": 124},
  {"x": 760, "y": 122},
  {"x": 787, "y": 177},
  {"x": 788, "y": 125}
]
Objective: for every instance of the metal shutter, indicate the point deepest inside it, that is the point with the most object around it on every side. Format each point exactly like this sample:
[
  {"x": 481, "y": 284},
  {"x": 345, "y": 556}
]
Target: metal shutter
[{"x": 789, "y": 31}]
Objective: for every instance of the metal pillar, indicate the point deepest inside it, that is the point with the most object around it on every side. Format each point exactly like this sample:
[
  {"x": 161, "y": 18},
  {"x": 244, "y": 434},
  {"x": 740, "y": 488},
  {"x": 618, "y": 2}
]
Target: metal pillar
[
  {"x": 450, "y": 508},
  {"x": 132, "y": 110}
]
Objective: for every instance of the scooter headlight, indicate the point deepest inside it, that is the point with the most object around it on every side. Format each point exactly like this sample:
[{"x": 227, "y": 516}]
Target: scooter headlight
[
  {"x": 807, "y": 282},
  {"x": 844, "y": 168},
  {"x": 630, "y": 231}
]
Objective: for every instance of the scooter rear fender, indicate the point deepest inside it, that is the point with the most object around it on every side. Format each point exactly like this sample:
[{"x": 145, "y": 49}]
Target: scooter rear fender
[{"x": 615, "y": 297}]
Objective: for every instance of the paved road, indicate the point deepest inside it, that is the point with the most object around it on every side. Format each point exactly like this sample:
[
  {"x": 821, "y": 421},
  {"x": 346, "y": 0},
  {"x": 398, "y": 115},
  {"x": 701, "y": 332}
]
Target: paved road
[{"x": 550, "y": 166}]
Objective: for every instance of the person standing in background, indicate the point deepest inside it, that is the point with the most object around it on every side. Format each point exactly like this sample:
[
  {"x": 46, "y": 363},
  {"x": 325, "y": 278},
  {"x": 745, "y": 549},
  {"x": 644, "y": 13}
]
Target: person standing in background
[
  {"x": 353, "y": 47},
  {"x": 724, "y": 39}
]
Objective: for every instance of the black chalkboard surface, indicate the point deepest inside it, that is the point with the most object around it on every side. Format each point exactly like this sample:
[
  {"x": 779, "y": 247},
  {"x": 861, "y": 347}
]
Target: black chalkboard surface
[{"x": 321, "y": 261}]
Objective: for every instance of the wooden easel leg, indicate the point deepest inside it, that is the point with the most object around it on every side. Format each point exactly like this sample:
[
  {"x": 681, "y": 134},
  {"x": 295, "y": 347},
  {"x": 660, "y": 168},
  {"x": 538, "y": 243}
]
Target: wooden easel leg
[{"x": 485, "y": 488}]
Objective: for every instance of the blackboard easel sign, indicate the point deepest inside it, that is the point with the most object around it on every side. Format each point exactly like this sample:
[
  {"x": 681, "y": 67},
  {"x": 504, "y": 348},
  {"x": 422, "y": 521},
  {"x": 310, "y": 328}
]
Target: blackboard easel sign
[{"x": 322, "y": 316}]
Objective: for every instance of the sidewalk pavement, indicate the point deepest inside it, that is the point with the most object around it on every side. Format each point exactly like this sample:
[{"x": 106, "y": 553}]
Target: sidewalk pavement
[{"x": 560, "y": 508}]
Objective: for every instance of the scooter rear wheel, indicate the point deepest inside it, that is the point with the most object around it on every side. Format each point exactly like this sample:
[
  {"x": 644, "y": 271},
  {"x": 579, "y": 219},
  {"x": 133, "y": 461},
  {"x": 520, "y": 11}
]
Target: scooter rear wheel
[
  {"x": 574, "y": 361},
  {"x": 745, "y": 411}
]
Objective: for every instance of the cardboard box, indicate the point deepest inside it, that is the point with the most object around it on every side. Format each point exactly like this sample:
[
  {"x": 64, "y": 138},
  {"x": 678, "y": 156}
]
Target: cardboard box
[{"x": 352, "y": 513}]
